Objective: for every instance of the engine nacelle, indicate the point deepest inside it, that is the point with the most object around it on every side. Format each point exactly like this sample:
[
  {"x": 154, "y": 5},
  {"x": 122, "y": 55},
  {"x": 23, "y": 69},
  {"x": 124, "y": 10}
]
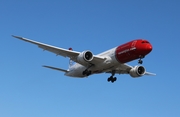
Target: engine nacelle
[
  {"x": 137, "y": 71},
  {"x": 85, "y": 57}
]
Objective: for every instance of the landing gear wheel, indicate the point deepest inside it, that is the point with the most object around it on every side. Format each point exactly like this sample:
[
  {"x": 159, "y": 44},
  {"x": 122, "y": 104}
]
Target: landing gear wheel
[
  {"x": 86, "y": 72},
  {"x": 109, "y": 79},
  {"x": 140, "y": 61},
  {"x": 112, "y": 79}
]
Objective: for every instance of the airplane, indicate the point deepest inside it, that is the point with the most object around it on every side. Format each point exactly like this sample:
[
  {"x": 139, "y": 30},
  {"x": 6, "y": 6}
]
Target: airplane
[{"x": 113, "y": 61}]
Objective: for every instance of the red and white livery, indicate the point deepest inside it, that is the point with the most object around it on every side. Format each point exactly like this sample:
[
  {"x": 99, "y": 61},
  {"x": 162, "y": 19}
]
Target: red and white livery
[{"x": 112, "y": 61}]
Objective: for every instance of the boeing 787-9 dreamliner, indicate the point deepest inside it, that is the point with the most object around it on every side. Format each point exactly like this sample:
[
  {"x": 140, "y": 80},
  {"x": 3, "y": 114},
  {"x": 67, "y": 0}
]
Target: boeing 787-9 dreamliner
[{"x": 112, "y": 61}]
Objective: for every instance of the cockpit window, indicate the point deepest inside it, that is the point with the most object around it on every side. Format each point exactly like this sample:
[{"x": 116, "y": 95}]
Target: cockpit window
[{"x": 144, "y": 42}]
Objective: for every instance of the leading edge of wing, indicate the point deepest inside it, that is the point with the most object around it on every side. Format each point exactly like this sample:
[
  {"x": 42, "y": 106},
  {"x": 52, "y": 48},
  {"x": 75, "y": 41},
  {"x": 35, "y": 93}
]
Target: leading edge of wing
[
  {"x": 125, "y": 68},
  {"x": 60, "y": 51},
  {"x": 56, "y": 50},
  {"x": 128, "y": 67}
]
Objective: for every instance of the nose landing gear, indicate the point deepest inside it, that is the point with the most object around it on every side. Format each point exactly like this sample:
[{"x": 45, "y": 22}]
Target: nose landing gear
[{"x": 140, "y": 59}]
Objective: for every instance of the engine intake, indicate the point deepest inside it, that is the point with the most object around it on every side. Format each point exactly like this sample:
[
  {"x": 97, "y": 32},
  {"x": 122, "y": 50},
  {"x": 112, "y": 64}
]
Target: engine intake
[
  {"x": 137, "y": 71},
  {"x": 88, "y": 56},
  {"x": 85, "y": 57}
]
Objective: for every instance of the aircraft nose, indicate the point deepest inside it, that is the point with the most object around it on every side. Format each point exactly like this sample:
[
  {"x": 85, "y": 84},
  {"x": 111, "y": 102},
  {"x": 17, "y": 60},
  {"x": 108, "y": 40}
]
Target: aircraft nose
[{"x": 149, "y": 48}]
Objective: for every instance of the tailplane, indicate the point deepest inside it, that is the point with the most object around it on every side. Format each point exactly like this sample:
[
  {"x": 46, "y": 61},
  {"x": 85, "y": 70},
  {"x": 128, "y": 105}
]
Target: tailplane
[{"x": 54, "y": 68}]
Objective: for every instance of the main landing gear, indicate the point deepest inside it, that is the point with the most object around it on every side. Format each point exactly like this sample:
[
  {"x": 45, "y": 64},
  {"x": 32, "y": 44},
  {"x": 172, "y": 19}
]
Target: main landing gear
[
  {"x": 112, "y": 78},
  {"x": 86, "y": 72}
]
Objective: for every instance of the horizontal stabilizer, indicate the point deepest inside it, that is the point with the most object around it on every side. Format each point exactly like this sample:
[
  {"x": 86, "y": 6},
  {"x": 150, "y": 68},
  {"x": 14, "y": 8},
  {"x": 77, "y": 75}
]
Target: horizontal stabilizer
[{"x": 54, "y": 68}]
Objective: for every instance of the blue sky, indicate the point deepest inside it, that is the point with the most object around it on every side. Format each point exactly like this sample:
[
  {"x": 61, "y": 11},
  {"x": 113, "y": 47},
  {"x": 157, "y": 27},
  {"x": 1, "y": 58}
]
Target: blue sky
[{"x": 29, "y": 90}]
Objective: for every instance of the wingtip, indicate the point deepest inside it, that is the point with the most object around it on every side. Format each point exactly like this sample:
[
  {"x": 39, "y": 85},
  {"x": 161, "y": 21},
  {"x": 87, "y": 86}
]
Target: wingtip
[
  {"x": 13, "y": 35},
  {"x": 16, "y": 36},
  {"x": 45, "y": 66}
]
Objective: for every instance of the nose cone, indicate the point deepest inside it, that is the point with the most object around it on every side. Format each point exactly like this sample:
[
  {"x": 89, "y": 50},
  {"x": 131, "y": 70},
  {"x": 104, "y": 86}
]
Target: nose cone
[{"x": 148, "y": 48}]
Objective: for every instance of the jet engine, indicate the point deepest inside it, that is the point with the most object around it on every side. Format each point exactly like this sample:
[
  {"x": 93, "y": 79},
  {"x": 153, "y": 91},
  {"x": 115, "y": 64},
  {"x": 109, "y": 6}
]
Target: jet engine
[
  {"x": 85, "y": 57},
  {"x": 137, "y": 71}
]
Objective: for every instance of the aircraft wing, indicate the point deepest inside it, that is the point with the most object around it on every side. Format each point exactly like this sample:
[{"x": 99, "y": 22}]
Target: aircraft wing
[
  {"x": 124, "y": 69},
  {"x": 60, "y": 51},
  {"x": 120, "y": 69}
]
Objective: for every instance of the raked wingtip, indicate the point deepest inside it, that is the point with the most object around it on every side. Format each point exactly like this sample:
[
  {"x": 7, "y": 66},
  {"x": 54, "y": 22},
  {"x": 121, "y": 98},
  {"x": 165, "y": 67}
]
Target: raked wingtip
[{"x": 16, "y": 36}]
